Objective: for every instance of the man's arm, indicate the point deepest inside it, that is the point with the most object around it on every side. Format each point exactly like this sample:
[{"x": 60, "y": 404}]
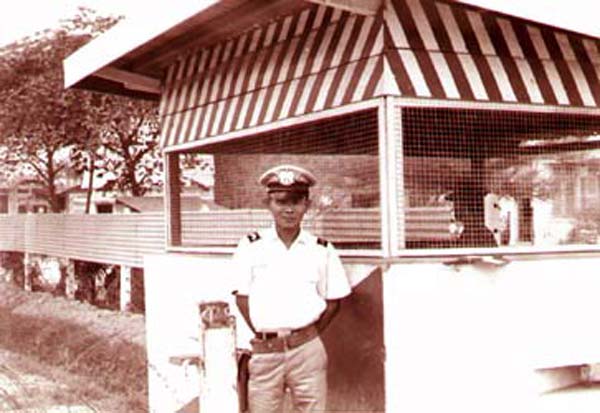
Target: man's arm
[
  {"x": 333, "y": 306},
  {"x": 242, "y": 304}
]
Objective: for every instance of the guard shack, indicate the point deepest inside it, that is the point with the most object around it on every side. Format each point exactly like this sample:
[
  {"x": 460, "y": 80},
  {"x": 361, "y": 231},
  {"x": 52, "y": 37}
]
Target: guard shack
[{"x": 459, "y": 175}]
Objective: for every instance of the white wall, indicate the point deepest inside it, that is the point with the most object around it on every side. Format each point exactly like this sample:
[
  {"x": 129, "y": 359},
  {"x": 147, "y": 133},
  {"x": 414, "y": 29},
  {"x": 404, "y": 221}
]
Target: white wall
[
  {"x": 469, "y": 338},
  {"x": 465, "y": 338}
]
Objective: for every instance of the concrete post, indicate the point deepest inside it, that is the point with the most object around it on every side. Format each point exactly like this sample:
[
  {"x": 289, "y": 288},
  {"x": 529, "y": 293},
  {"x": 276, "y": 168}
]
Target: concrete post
[
  {"x": 27, "y": 270},
  {"x": 124, "y": 288},
  {"x": 5, "y": 268},
  {"x": 218, "y": 381},
  {"x": 70, "y": 279}
]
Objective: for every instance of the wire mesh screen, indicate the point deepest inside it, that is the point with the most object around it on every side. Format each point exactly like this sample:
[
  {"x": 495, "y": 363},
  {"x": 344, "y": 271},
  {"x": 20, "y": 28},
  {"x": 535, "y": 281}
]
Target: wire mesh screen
[
  {"x": 483, "y": 178},
  {"x": 342, "y": 152}
]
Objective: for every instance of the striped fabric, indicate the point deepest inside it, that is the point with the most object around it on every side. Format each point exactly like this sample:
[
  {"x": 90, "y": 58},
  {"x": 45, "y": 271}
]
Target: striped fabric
[
  {"x": 444, "y": 50},
  {"x": 323, "y": 58},
  {"x": 317, "y": 59}
]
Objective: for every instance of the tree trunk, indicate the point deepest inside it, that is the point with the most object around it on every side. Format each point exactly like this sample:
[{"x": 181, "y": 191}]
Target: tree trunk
[
  {"x": 52, "y": 197},
  {"x": 134, "y": 185},
  {"x": 90, "y": 188}
]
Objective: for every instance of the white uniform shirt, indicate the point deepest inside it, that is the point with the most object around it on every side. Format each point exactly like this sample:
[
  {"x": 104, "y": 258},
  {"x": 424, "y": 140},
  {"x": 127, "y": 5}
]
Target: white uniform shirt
[{"x": 287, "y": 288}]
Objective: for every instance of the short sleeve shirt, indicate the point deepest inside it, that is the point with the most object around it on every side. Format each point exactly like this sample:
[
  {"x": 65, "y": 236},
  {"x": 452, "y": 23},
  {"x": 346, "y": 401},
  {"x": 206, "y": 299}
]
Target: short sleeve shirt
[{"x": 288, "y": 288}]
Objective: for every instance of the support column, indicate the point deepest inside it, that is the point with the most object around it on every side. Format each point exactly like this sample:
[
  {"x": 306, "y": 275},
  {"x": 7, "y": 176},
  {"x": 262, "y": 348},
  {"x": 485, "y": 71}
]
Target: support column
[
  {"x": 70, "y": 279},
  {"x": 6, "y": 267},
  {"x": 27, "y": 270},
  {"x": 124, "y": 288},
  {"x": 391, "y": 176},
  {"x": 173, "y": 199}
]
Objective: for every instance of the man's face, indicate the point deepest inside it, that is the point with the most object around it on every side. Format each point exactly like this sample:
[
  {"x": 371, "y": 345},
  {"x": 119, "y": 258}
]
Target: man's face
[{"x": 288, "y": 209}]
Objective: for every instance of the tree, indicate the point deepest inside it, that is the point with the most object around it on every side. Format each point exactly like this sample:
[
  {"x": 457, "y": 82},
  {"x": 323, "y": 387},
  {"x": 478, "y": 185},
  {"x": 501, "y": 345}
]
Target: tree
[
  {"x": 51, "y": 129},
  {"x": 130, "y": 148},
  {"x": 33, "y": 128},
  {"x": 123, "y": 148}
]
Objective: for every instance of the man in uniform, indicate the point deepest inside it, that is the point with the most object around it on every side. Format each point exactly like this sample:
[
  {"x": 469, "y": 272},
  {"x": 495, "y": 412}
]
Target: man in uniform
[{"x": 289, "y": 286}]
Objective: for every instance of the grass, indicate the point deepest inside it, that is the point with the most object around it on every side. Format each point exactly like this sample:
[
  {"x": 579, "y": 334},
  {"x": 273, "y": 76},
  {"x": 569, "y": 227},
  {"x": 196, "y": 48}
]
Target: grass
[{"x": 104, "y": 362}]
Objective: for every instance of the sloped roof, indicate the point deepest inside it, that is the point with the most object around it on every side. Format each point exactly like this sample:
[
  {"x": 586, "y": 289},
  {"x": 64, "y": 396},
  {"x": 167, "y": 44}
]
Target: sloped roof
[{"x": 131, "y": 57}]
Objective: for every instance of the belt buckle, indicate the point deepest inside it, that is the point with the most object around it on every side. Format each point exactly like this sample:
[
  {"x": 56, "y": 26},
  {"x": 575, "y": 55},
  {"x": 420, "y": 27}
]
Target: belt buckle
[{"x": 284, "y": 333}]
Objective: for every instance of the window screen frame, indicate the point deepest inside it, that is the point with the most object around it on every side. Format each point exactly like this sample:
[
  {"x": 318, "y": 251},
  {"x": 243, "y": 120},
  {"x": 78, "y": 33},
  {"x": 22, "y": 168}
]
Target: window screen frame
[
  {"x": 395, "y": 123},
  {"x": 173, "y": 188}
]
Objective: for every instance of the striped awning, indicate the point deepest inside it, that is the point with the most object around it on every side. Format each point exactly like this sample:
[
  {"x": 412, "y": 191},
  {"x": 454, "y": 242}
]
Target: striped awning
[
  {"x": 445, "y": 50},
  {"x": 322, "y": 58},
  {"x": 314, "y": 60}
]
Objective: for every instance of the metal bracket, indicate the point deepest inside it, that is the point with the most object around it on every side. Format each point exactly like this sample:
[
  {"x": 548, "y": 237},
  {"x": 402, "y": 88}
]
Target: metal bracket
[{"x": 482, "y": 261}]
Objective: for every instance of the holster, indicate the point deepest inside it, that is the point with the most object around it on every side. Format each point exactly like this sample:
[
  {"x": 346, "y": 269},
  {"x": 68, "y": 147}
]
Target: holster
[{"x": 242, "y": 379}]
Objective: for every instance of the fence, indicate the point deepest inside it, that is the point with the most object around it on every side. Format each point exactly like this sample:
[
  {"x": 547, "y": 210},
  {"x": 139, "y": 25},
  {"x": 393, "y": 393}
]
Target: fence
[
  {"x": 124, "y": 239},
  {"x": 105, "y": 238}
]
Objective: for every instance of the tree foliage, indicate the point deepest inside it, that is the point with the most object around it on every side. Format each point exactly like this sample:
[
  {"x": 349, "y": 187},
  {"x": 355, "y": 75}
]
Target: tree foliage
[
  {"x": 48, "y": 130},
  {"x": 125, "y": 150}
]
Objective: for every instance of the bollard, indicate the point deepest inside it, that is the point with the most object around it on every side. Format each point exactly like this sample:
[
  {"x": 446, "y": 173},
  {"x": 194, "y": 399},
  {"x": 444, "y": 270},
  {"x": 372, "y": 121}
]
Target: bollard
[{"x": 218, "y": 384}]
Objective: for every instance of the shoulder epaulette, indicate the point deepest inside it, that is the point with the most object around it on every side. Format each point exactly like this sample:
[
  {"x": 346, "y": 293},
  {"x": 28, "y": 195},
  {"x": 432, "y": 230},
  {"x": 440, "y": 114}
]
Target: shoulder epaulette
[
  {"x": 253, "y": 236},
  {"x": 322, "y": 242}
]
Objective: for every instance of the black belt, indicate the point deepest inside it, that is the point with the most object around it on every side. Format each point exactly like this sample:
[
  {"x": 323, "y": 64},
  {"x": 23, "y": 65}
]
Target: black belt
[
  {"x": 270, "y": 335},
  {"x": 271, "y": 343},
  {"x": 265, "y": 336}
]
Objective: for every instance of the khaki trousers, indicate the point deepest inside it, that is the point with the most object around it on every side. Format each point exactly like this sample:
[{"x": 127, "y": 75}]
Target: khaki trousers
[{"x": 302, "y": 370}]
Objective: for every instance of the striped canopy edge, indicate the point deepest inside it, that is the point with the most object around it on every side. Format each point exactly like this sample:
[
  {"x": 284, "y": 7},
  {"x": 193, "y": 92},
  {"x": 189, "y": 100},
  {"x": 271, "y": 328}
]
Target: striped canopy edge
[{"x": 321, "y": 58}]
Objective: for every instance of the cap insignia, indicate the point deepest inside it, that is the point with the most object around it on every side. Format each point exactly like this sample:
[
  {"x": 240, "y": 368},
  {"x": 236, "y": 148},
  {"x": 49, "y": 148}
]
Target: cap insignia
[{"x": 285, "y": 177}]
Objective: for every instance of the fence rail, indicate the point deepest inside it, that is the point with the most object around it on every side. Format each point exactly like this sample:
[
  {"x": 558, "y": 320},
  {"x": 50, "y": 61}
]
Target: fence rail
[
  {"x": 107, "y": 238},
  {"x": 124, "y": 239}
]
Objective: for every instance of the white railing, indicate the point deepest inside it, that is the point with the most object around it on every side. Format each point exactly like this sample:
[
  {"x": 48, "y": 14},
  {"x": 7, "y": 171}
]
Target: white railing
[
  {"x": 125, "y": 238},
  {"x": 117, "y": 239}
]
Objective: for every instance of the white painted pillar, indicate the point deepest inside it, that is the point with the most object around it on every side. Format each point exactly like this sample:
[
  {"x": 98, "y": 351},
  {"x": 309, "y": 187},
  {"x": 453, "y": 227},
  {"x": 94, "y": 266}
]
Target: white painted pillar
[
  {"x": 7, "y": 271},
  {"x": 8, "y": 275},
  {"x": 27, "y": 263},
  {"x": 70, "y": 279},
  {"x": 218, "y": 381},
  {"x": 125, "y": 288}
]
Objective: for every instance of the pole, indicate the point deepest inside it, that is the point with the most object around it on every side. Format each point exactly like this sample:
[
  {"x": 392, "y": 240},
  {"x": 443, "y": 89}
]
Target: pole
[{"x": 218, "y": 392}]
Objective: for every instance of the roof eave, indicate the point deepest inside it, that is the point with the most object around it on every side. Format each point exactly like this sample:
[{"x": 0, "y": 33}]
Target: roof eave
[
  {"x": 93, "y": 66},
  {"x": 105, "y": 64}
]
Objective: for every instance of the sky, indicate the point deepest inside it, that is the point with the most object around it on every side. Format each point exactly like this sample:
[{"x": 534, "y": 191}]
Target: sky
[
  {"x": 24, "y": 17},
  {"x": 577, "y": 15},
  {"x": 21, "y": 18}
]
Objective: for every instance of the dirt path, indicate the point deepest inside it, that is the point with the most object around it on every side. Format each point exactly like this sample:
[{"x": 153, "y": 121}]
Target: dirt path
[{"x": 29, "y": 387}]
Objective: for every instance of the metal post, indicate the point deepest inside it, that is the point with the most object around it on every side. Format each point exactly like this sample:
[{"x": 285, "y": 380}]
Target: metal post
[
  {"x": 218, "y": 392},
  {"x": 124, "y": 288}
]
